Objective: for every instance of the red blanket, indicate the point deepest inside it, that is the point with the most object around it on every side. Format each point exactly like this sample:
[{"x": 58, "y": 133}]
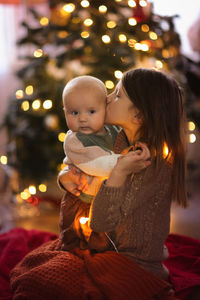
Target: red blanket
[{"x": 183, "y": 263}]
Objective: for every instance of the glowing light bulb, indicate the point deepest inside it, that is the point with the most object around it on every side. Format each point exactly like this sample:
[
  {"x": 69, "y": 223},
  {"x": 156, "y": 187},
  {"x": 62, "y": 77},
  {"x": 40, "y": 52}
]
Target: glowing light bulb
[
  {"x": 36, "y": 104},
  {"x": 153, "y": 35},
  {"x": 19, "y": 94},
  {"x": 191, "y": 126},
  {"x": 122, "y": 38},
  {"x": 132, "y": 21},
  {"x": 132, "y": 42},
  {"x": 106, "y": 39},
  {"x": 118, "y": 74},
  {"x": 85, "y": 3},
  {"x": 25, "y": 195},
  {"x": 32, "y": 189},
  {"x": 144, "y": 47},
  {"x": 69, "y": 8},
  {"x": 85, "y": 34},
  {"x": 143, "y": 3},
  {"x": 159, "y": 64},
  {"x": 83, "y": 220},
  {"x": 131, "y": 3},
  {"x": 102, "y": 9},
  {"x": 29, "y": 90},
  {"x": 44, "y": 21},
  {"x": 88, "y": 22},
  {"x": 137, "y": 46},
  {"x": 38, "y": 53},
  {"x": 47, "y": 104},
  {"x": 3, "y": 159},
  {"x": 109, "y": 84},
  {"x": 192, "y": 138},
  {"x": 25, "y": 105},
  {"x": 42, "y": 188},
  {"x": 61, "y": 136},
  {"x": 165, "y": 151},
  {"x": 111, "y": 24}
]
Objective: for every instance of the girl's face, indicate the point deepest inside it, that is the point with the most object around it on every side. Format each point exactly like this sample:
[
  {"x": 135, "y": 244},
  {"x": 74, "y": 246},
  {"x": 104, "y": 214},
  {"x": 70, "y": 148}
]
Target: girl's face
[{"x": 121, "y": 110}]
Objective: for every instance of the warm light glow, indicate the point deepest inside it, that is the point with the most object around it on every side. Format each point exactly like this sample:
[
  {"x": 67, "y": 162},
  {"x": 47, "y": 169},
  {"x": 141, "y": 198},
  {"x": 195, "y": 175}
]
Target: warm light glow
[
  {"x": 111, "y": 24},
  {"x": 42, "y": 188},
  {"x": 19, "y": 94},
  {"x": 61, "y": 167},
  {"x": 144, "y": 47},
  {"x": 159, "y": 64},
  {"x": 85, "y": 3},
  {"x": 25, "y": 195},
  {"x": 109, "y": 84},
  {"x": 165, "y": 53},
  {"x": 153, "y": 35},
  {"x": 131, "y": 42},
  {"x": 132, "y": 21},
  {"x": 85, "y": 34},
  {"x": 192, "y": 138},
  {"x": 122, "y": 38},
  {"x": 32, "y": 189},
  {"x": 83, "y": 220},
  {"x": 191, "y": 126},
  {"x": 137, "y": 46},
  {"x": 47, "y": 104},
  {"x": 145, "y": 28},
  {"x": 19, "y": 199},
  {"x": 44, "y": 21},
  {"x": 3, "y": 160},
  {"x": 102, "y": 9},
  {"x": 61, "y": 136},
  {"x": 143, "y": 3},
  {"x": 88, "y": 22},
  {"x": 106, "y": 39},
  {"x": 131, "y": 3},
  {"x": 29, "y": 90},
  {"x": 118, "y": 74},
  {"x": 69, "y": 8},
  {"x": 38, "y": 53},
  {"x": 165, "y": 151},
  {"x": 25, "y": 105},
  {"x": 62, "y": 34},
  {"x": 36, "y": 104}
]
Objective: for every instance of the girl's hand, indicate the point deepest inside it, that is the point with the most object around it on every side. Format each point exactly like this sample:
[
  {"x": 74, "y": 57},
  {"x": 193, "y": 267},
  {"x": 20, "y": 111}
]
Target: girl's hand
[
  {"x": 132, "y": 162},
  {"x": 73, "y": 180}
]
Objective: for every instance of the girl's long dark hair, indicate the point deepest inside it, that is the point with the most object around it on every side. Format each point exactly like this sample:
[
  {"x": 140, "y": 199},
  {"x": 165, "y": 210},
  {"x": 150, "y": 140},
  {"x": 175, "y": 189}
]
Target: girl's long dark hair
[{"x": 160, "y": 102}]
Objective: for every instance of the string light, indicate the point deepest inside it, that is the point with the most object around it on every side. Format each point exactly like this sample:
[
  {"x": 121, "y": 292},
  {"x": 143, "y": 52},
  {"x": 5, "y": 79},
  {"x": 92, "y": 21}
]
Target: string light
[
  {"x": 111, "y": 24},
  {"x": 132, "y": 42},
  {"x": 38, "y": 53},
  {"x": 106, "y": 39},
  {"x": 165, "y": 53},
  {"x": 42, "y": 188},
  {"x": 192, "y": 138},
  {"x": 132, "y": 21},
  {"x": 85, "y": 3},
  {"x": 159, "y": 64},
  {"x": 122, "y": 38},
  {"x": 44, "y": 21},
  {"x": 60, "y": 167},
  {"x": 153, "y": 35},
  {"x": 25, "y": 195},
  {"x": 143, "y": 3},
  {"x": 88, "y": 22},
  {"x": 32, "y": 189},
  {"x": 47, "y": 104},
  {"x": 118, "y": 74},
  {"x": 36, "y": 104},
  {"x": 144, "y": 47},
  {"x": 62, "y": 34},
  {"x": 145, "y": 28},
  {"x": 25, "y": 105},
  {"x": 137, "y": 46},
  {"x": 102, "y": 9},
  {"x": 109, "y": 84},
  {"x": 19, "y": 94},
  {"x": 69, "y": 8},
  {"x": 29, "y": 90},
  {"x": 85, "y": 34},
  {"x": 61, "y": 136},
  {"x": 3, "y": 160},
  {"x": 131, "y": 3},
  {"x": 191, "y": 126},
  {"x": 165, "y": 151}
]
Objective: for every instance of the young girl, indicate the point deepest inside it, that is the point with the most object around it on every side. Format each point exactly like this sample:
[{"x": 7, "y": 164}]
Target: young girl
[{"x": 133, "y": 211}]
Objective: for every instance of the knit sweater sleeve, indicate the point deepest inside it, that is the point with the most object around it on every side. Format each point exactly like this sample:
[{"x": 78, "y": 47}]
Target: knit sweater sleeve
[{"x": 112, "y": 204}]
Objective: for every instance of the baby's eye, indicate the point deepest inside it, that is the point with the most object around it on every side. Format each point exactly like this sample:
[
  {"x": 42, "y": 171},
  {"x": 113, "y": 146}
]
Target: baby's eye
[
  {"x": 74, "y": 113},
  {"x": 92, "y": 111}
]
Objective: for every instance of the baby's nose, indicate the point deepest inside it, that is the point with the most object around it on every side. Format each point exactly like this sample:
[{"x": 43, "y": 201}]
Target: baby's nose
[{"x": 82, "y": 117}]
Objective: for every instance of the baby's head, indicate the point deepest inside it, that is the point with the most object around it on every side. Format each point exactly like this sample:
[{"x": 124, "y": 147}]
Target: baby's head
[{"x": 84, "y": 100}]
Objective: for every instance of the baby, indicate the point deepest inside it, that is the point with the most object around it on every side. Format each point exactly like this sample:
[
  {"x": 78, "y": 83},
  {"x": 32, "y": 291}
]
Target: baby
[{"x": 88, "y": 143}]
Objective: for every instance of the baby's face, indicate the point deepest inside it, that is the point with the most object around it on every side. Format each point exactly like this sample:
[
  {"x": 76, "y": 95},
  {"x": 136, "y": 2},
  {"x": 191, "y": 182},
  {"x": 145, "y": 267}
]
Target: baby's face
[{"x": 85, "y": 110}]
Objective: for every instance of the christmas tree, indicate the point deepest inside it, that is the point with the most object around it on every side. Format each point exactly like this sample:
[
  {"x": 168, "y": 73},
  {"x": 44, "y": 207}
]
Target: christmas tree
[{"x": 96, "y": 37}]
